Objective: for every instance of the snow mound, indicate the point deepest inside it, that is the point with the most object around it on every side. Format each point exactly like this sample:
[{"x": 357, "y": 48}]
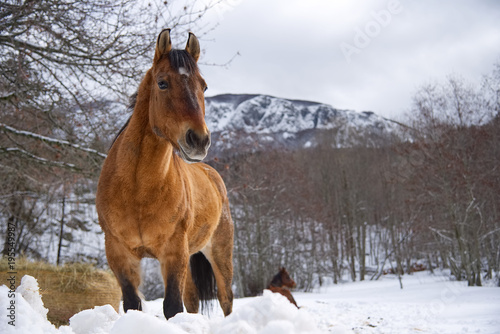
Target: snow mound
[
  {"x": 268, "y": 314},
  {"x": 272, "y": 313},
  {"x": 137, "y": 321},
  {"x": 100, "y": 319},
  {"x": 30, "y": 316},
  {"x": 30, "y": 292}
]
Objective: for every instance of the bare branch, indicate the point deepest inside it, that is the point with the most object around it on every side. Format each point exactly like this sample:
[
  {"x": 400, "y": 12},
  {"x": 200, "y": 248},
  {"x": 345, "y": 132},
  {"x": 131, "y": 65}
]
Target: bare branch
[
  {"x": 51, "y": 141},
  {"x": 40, "y": 160}
]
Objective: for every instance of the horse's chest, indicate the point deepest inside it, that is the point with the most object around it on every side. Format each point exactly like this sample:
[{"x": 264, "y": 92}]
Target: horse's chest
[
  {"x": 161, "y": 210},
  {"x": 149, "y": 216}
]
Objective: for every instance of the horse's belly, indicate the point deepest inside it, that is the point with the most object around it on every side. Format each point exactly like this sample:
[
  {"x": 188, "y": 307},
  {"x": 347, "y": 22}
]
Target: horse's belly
[{"x": 200, "y": 234}]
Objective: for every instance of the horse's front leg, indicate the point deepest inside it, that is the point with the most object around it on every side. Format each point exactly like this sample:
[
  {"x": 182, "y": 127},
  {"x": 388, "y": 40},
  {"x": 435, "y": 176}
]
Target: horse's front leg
[
  {"x": 174, "y": 262},
  {"x": 127, "y": 269}
]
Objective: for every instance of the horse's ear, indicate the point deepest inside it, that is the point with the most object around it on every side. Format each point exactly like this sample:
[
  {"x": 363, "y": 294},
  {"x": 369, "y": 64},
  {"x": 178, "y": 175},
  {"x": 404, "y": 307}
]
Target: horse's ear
[
  {"x": 193, "y": 46},
  {"x": 163, "y": 44}
]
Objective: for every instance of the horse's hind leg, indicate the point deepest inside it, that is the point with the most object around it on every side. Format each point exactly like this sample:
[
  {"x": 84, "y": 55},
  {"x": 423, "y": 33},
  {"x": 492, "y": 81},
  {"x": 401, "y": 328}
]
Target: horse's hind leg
[
  {"x": 190, "y": 296},
  {"x": 220, "y": 256},
  {"x": 127, "y": 269}
]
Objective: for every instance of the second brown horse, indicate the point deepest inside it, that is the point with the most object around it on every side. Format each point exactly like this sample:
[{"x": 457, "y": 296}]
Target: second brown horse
[
  {"x": 155, "y": 199},
  {"x": 281, "y": 283}
]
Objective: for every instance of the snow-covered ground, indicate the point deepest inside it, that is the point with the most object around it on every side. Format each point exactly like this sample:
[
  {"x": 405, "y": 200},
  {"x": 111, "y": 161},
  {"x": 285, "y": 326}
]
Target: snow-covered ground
[{"x": 426, "y": 304}]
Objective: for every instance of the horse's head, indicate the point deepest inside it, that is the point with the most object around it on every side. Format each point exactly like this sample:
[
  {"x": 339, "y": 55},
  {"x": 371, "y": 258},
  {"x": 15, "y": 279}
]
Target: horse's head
[
  {"x": 286, "y": 279},
  {"x": 177, "y": 103}
]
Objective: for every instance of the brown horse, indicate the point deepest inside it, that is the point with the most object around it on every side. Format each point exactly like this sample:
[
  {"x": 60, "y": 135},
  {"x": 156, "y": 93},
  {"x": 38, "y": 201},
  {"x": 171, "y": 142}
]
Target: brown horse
[
  {"x": 155, "y": 199},
  {"x": 281, "y": 283}
]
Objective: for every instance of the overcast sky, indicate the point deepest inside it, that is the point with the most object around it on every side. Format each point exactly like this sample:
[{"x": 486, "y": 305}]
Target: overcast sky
[{"x": 352, "y": 54}]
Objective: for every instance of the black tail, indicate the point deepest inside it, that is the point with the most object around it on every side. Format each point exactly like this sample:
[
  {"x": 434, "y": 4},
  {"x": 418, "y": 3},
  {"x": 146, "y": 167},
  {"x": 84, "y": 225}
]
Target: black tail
[{"x": 204, "y": 279}]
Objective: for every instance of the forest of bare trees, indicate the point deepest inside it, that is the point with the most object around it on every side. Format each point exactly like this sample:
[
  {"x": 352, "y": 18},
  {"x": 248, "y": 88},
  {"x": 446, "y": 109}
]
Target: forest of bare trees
[{"x": 429, "y": 200}]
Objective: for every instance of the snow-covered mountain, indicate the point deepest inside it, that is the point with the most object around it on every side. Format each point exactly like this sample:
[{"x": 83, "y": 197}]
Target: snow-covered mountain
[{"x": 256, "y": 122}]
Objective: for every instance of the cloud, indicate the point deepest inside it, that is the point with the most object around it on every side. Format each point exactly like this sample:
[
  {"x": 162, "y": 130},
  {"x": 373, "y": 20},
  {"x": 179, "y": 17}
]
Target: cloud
[{"x": 292, "y": 49}]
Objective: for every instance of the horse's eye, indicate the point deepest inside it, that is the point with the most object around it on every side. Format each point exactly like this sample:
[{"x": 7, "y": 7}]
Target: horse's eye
[
  {"x": 205, "y": 89},
  {"x": 162, "y": 85}
]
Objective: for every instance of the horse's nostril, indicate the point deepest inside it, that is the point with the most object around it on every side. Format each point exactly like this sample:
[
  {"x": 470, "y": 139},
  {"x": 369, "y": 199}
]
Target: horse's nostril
[
  {"x": 191, "y": 138},
  {"x": 194, "y": 141}
]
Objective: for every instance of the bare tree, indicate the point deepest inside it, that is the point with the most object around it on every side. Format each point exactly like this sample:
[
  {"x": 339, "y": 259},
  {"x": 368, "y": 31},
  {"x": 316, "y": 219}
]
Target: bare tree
[{"x": 455, "y": 134}]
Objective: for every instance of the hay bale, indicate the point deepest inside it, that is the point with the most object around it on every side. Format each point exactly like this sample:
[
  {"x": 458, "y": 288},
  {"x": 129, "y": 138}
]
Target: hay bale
[{"x": 68, "y": 289}]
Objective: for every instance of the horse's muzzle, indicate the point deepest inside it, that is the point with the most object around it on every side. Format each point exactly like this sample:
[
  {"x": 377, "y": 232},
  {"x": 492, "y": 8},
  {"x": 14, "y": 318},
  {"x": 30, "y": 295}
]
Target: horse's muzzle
[{"x": 194, "y": 147}]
